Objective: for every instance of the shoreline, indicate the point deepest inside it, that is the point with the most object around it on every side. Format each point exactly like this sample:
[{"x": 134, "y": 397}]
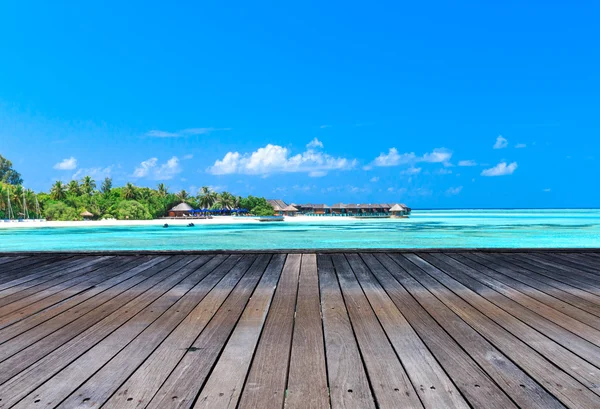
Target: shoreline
[{"x": 216, "y": 220}]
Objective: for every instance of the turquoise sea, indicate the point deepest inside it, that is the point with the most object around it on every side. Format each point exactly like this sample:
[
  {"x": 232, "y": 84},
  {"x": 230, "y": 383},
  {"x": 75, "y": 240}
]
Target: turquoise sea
[{"x": 424, "y": 229}]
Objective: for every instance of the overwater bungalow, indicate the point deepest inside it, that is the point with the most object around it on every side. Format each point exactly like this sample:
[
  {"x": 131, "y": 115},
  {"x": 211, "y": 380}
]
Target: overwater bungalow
[
  {"x": 366, "y": 210},
  {"x": 289, "y": 211}
]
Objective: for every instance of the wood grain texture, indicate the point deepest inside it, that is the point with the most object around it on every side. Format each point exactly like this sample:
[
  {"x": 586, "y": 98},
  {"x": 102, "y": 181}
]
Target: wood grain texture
[
  {"x": 349, "y": 386},
  {"x": 307, "y": 382},
  {"x": 431, "y": 329}
]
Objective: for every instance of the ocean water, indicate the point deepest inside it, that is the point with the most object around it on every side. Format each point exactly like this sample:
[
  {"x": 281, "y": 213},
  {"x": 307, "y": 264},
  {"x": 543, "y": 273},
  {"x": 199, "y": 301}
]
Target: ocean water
[{"x": 424, "y": 229}]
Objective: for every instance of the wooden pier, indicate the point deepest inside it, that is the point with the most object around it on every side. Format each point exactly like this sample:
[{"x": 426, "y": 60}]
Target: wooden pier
[{"x": 459, "y": 329}]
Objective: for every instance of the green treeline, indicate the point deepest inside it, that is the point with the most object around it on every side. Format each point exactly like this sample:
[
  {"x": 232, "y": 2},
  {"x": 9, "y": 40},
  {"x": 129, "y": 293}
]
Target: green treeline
[{"x": 66, "y": 201}]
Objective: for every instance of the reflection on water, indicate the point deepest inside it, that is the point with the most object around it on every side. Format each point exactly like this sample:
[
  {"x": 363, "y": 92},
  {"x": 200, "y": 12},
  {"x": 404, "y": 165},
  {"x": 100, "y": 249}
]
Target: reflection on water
[{"x": 425, "y": 229}]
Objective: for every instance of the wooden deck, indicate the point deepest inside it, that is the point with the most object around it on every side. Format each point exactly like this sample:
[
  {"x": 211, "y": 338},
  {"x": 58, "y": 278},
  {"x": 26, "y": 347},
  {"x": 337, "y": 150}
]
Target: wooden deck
[{"x": 353, "y": 330}]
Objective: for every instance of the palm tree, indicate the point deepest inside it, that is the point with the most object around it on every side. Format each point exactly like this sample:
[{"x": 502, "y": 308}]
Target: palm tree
[
  {"x": 129, "y": 191},
  {"x": 88, "y": 185},
  {"x": 207, "y": 197},
  {"x": 57, "y": 192},
  {"x": 225, "y": 200},
  {"x": 106, "y": 185},
  {"x": 163, "y": 190},
  {"x": 73, "y": 188},
  {"x": 182, "y": 195}
]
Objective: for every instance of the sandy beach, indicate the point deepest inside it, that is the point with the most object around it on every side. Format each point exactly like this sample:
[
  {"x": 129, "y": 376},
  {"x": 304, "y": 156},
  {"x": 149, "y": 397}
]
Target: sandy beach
[{"x": 28, "y": 224}]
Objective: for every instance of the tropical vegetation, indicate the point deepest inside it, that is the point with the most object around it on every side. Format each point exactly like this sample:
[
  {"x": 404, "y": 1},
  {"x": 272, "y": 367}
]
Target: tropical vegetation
[{"x": 66, "y": 201}]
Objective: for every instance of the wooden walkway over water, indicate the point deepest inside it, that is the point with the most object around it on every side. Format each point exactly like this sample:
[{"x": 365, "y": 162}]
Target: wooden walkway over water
[{"x": 353, "y": 330}]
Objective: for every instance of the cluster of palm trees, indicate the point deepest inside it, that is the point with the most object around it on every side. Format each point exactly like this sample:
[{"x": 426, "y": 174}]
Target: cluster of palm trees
[
  {"x": 87, "y": 187},
  {"x": 22, "y": 202}
]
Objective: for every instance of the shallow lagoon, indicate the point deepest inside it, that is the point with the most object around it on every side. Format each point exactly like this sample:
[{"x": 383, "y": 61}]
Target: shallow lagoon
[{"x": 424, "y": 229}]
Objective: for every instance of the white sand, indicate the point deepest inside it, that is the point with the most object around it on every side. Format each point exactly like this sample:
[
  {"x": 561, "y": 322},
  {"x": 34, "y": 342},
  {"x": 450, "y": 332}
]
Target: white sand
[{"x": 215, "y": 220}]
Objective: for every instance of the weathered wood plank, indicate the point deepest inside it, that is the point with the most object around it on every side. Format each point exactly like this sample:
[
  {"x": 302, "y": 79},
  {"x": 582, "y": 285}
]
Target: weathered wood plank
[
  {"x": 506, "y": 333},
  {"x": 185, "y": 382},
  {"x": 267, "y": 378},
  {"x": 126, "y": 347},
  {"x": 434, "y": 387},
  {"x": 390, "y": 383},
  {"x": 348, "y": 383},
  {"x": 555, "y": 301},
  {"x": 226, "y": 381},
  {"x": 447, "y": 335},
  {"x": 27, "y": 369},
  {"x": 142, "y": 385},
  {"x": 307, "y": 381}
]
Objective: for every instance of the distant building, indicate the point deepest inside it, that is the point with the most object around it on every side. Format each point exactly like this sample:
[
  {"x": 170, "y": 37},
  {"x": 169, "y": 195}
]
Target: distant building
[
  {"x": 181, "y": 210},
  {"x": 340, "y": 209}
]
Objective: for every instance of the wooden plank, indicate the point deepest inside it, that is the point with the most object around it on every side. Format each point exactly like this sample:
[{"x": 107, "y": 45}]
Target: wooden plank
[
  {"x": 73, "y": 321},
  {"x": 83, "y": 279},
  {"x": 127, "y": 345},
  {"x": 10, "y": 259},
  {"x": 267, "y": 378},
  {"x": 75, "y": 275},
  {"x": 28, "y": 263},
  {"x": 142, "y": 385},
  {"x": 183, "y": 384},
  {"x": 25, "y": 370},
  {"x": 307, "y": 379},
  {"x": 571, "y": 279},
  {"x": 554, "y": 301},
  {"x": 575, "y": 262},
  {"x": 512, "y": 337},
  {"x": 567, "y": 331},
  {"x": 54, "y": 271},
  {"x": 118, "y": 272},
  {"x": 389, "y": 381},
  {"x": 542, "y": 276},
  {"x": 24, "y": 276},
  {"x": 549, "y": 286},
  {"x": 434, "y": 387},
  {"x": 226, "y": 381},
  {"x": 446, "y": 335},
  {"x": 348, "y": 383},
  {"x": 99, "y": 387},
  {"x": 580, "y": 275}
]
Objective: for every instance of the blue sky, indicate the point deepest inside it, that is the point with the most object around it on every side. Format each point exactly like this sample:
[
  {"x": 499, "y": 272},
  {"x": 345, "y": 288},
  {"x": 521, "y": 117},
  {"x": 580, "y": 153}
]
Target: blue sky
[{"x": 444, "y": 104}]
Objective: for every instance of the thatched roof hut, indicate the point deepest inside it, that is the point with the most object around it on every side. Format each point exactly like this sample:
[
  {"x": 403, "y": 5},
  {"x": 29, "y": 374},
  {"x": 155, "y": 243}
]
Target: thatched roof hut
[
  {"x": 289, "y": 209},
  {"x": 180, "y": 210},
  {"x": 86, "y": 215}
]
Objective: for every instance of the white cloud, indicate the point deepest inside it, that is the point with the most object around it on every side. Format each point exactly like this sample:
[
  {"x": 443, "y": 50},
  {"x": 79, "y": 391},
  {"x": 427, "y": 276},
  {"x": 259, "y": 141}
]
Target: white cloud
[
  {"x": 325, "y": 126},
  {"x": 394, "y": 158},
  {"x": 454, "y": 190},
  {"x": 547, "y": 190},
  {"x": 520, "y": 146},
  {"x": 501, "y": 142},
  {"x": 500, "y": 169},
  {"x": 66, "y": 164},
  {"x": 315, "y": 143},
  {"x": 317, "y": 174},
  {"x": 467, "y": 163},
  {"x": 374, "y": 179},
  {"x": 145, "y": 167},
  {"x": 95, "y": 173},
  {"x": 189, "y": 156},
  {"x": 156, "y": 133},
  {"x": 151, "y": 169},
  {"x": 274, "y": 159},
  {"x": 411, "y": 171},
  {"x": 439, "y": 155}
]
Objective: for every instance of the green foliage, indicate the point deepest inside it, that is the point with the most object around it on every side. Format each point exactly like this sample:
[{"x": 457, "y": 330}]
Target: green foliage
[
  {"x": 131, "y": 210},
  {"x": 262, "y": 211},
  {"x": 8, "y": 175},
  {"x": 60, "y": 211},
  {"x": 67, "y": 201}
]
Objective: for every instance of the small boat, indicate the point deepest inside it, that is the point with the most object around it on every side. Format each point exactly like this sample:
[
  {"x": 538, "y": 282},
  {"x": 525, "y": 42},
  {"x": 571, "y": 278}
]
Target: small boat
[
  {"x": 191, "y": 225},
  {"x": 270, "y": 218},
  {"x": 165, "y": 226}
]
